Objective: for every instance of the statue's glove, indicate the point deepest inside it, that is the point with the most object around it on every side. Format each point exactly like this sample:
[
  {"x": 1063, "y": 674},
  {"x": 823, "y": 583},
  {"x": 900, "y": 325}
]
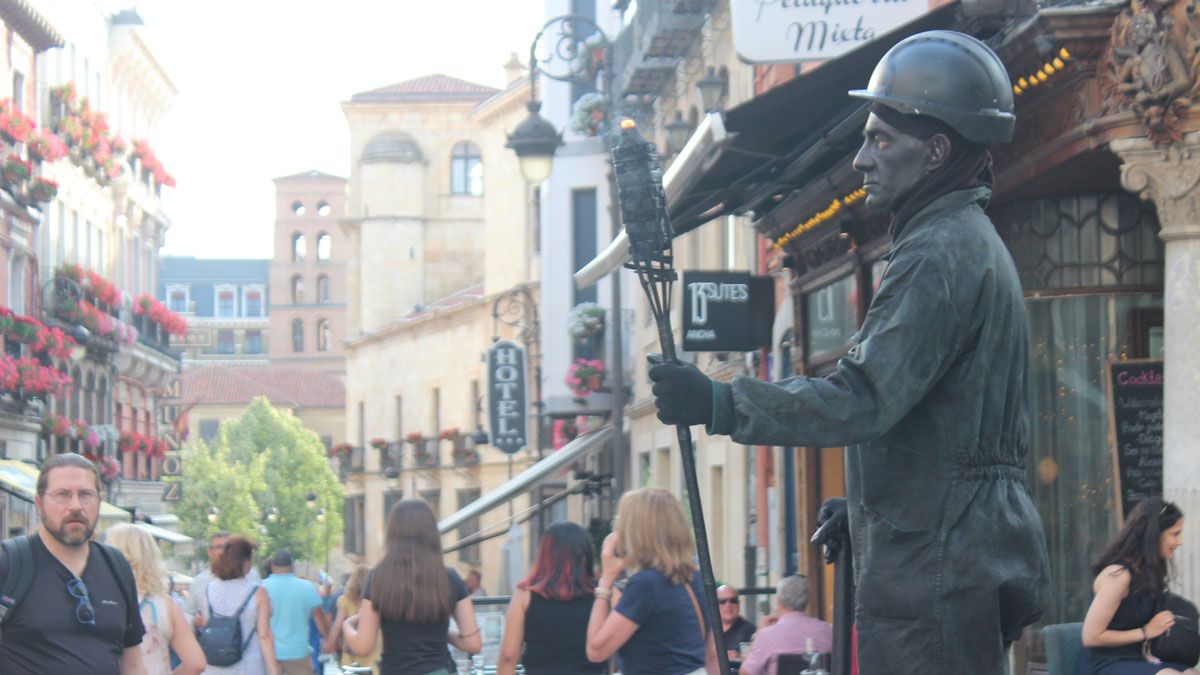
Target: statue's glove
[
  {"x": 833, "y": 527},
  {"x": 682, "y": 393}
]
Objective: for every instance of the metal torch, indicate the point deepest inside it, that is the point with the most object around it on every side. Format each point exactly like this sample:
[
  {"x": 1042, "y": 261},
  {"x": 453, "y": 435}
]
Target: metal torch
[{"x": 644, "y": 214}]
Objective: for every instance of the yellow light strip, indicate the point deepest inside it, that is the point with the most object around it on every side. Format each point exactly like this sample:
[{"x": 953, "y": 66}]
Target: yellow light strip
[
  {"x": 820, "y": 217},
  {"x": 1055, "y": 65}
]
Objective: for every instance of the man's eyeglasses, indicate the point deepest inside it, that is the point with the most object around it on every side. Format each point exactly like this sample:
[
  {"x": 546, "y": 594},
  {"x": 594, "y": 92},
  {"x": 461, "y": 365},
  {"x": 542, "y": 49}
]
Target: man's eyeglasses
[
  {"x": 727, "y": 601},
  {"x": 86, "y": 497},
  {"x": 84, "y": 612}
]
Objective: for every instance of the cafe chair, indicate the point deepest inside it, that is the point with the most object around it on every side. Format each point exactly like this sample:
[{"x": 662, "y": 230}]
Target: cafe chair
[
  {"x": 1064, "y": 642},
  {"x": 791, "y": 664}
]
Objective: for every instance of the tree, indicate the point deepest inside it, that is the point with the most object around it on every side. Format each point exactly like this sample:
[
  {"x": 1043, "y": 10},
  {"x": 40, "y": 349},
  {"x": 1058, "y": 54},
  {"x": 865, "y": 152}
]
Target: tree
[
  {"x": 259, "y": 475},
  {"x": 294, "y": 466},
  {"x": 211, "y": 480}
]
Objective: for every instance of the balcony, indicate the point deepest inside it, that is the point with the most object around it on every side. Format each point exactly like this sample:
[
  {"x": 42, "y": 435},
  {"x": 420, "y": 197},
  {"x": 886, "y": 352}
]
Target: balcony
[
  {"x": 427, "y": 453},
  {"x": 353, "y": 461},
  {"x": 646, "y": 52}
]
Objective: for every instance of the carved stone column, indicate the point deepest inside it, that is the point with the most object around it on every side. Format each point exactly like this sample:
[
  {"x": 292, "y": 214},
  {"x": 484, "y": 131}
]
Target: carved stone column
[{"x": 1170, "y": 177}]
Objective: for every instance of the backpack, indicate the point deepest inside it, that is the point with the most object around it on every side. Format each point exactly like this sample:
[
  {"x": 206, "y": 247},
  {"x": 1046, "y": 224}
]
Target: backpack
[
  {"x": 221, "y": 637},
  {"x": 18, "y": 555},
  {"x": 1181, "y": 644}
]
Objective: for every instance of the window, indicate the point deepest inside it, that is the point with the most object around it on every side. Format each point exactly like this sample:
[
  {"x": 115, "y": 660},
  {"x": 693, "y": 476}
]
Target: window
[
  {"x": 226, "y": 305},
  {"x": 466, "y": 170},
  {"x": 389, "y": 500},
  {"x": 16, "y": 284},
  {"x": 225, "y": 342},
  {"x": 18, "y": 96},
  {"x": 298, "y": 208},
  {"x": 583, "y": 229},
  {"x": 323, "y": 289},
  {"x": 355, "y": 534},
  {"x": 324, "y": 246},
  {"x": 253, "y": 303},
  {"x": 324, "y": 335},
  {"x": 323, "y": 208},
  {"x": 470, "y": 526},
  {"x": 832, "y": 317},
  {"x": 297, "y": 290},
  {"x": 299, "y": 247},
  {"x": 433, "y": 497},
  {"x": 297, "y": 335},
  {"x": 177, "y": 298},
  {"x": 253, "y": 344},
  {"x": 209, "y": 429}
]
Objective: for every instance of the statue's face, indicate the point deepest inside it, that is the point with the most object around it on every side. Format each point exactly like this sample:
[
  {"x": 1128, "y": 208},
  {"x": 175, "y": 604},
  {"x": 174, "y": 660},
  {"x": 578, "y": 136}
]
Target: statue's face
[{"x": 891, "y": 163}]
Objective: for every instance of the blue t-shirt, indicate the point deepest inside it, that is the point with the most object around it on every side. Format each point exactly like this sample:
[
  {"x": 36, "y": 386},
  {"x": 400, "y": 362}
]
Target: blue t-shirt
[
  {"x": 292, "y": 601},
  {"x": 669, "y": 639}
]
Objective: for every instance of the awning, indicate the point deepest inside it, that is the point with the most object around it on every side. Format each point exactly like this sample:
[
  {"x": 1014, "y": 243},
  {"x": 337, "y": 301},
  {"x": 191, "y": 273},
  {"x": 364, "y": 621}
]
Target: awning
[
  {"x": 163, "y": 533},
  {"x": 20, "y": 479},
  {"x": 571, "y": 452},
  {"x": 761, "y": 152}
]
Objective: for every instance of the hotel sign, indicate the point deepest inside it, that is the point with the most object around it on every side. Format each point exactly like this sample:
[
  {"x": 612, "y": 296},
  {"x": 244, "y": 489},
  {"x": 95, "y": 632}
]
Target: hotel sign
[
  {"x": 508, "y": 403},
  {"x": 773, "y": 31}
]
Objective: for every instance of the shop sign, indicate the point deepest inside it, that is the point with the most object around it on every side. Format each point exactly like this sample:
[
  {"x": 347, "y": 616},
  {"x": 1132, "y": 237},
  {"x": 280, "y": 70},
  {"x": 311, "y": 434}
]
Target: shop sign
[
  {"x": 508, "y": 409},
  {"x": 727, "y": 311},
  {"x": 772, "y": 31},
  {"x": 172, "y": 467},
  {"x": 1135, "y": 418}
]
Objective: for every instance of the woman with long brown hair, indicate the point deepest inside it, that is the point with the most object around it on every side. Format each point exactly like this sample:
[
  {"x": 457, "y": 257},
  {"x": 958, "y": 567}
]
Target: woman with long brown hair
[
  {"x": 410, "y": 595},
  {"x": 1131, "y": 580},
  {"x": 657, "y": 622},
  {"x": 546, "y": 628},
  {"x": 348, "y": 606}
]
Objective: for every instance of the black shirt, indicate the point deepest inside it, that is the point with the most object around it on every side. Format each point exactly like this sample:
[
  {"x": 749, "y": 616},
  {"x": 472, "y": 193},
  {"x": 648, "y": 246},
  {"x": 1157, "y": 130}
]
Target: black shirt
[
  {"x": 740, "y": 630},
  {"x": 556, "y": 637},
  {"x": 43, "y": 635},
  {"x": 410, "y": 648}
]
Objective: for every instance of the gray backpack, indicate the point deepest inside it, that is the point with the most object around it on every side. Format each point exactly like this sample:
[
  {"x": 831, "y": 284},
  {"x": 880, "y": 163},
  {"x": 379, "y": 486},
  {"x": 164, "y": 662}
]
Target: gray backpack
[{"x": 221, "y": 637}]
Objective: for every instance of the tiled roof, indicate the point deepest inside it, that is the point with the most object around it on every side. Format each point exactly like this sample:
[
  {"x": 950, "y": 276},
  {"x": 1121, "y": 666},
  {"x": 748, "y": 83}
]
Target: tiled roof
[
  {"x": 187, "y": 269},
  {"x": 434, "y": 87},
  {"x": 309, "y": 175},
  {"x": 282, "y": 385}
]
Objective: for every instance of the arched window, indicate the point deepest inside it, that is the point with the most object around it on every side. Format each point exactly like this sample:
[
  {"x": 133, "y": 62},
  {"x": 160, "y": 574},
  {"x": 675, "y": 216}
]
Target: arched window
[
  {"x": 466, "y": 169},
  {"x": 299, "y": 247},
  {"x": 324, "y": 335},
  {"x": 16, "y": 284},
  {"x": 297, "y": 335},
  {"x": 297, "y": 289},
  {"x": 323, "y": 290},
  {"x": 324, "y": 246}
]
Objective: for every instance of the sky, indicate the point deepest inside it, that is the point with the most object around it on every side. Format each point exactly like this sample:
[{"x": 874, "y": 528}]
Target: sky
[{"x": 260, "y": 82}]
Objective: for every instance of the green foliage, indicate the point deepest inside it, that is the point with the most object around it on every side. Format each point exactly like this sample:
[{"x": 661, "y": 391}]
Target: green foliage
[
  {"x": 210, "y": 479},
  {"x": 275, "y": 463}
]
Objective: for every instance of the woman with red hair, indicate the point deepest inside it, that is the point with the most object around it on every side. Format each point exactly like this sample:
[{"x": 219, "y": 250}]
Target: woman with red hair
[{"x": 548, "y": 615}]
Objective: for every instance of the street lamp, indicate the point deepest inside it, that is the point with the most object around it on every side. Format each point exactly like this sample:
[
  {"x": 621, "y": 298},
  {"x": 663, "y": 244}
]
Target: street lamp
[
  {"x": 534, "y": 140},
  {"x": 310, "y": 500},
  {"x": 712, "y": 88},
  {"x": 213, "y": 514},
  {"x": 678, "y": 131},
  {"x": 272, "y": 515},
  {"x": 320, "y": 515}
]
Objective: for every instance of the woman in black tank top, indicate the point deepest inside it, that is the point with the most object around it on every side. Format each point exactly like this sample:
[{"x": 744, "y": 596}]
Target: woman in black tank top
[
  {"x": 1131, "y": 578},
  {"x": 546, "y": 628}
]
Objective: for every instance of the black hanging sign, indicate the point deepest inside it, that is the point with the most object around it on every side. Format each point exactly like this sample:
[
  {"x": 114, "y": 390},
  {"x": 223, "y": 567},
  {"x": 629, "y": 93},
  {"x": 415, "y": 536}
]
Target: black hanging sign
[
  {"x": 727, "y": 311},
  {"x": 508, "y": 407},
  {"x": 1135, "y": 422}
]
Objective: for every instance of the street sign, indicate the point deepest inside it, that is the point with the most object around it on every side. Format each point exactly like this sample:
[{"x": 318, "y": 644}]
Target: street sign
[
  {"x": 780, "y": 31},
  {"x": 508, "y": 403}
]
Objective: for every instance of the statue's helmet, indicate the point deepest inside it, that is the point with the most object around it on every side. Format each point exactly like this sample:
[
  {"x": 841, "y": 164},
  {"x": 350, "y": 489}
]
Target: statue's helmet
[{"x": 951, "y": 77}]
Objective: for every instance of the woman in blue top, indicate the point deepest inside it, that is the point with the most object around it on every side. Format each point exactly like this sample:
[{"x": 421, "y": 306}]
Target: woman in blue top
[
  {"x": 656, "y": 624},
  {"x": 1131, "y": 578}
]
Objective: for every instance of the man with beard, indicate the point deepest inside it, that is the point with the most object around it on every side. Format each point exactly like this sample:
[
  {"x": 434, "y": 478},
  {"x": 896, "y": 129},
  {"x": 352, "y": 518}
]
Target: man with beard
[
  {"x": 75, "y": 616},
  {"x": 932, "y": 400}
]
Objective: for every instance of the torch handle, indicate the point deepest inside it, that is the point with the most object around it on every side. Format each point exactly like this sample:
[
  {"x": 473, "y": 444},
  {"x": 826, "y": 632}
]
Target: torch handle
[{"x": 666, "y": 341}]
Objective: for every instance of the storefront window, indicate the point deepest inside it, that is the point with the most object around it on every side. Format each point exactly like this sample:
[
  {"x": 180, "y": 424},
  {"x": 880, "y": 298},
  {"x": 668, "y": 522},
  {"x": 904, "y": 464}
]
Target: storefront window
[
  {"x": 831, "y": 317},
  {"x": 1072, "y": 339}
]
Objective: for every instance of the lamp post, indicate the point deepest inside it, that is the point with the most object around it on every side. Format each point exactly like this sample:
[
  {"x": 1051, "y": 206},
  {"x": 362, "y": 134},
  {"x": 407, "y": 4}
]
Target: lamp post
[
  {"x": 566, "y": 41},
  {"x": 213, "y": 514},
  {"x": 568, "y": 57}
]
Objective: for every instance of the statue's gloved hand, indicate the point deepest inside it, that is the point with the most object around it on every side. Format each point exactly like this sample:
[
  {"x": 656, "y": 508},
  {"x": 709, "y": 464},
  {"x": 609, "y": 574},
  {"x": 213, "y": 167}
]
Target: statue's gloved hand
[
  {"x": 682, "y": 393},
  {"x": 833, "y": 527}
]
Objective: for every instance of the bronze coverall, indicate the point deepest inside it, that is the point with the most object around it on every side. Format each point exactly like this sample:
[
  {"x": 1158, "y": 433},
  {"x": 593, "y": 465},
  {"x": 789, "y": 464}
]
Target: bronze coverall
[{"x": 932, "y": 403}]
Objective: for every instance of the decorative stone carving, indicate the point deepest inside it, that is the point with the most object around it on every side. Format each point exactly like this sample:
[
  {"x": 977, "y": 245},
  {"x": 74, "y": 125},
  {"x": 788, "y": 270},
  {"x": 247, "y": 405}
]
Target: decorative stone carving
[
  {"x": 1167, "y": 176},
  {"x": 1153, "y": 65}
]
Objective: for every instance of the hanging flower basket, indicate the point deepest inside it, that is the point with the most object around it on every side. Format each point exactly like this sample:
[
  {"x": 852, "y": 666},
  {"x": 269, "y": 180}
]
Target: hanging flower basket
[
  {"x": 340, "y": 449},
  {"x": 414, "y": 437},
  {"x": 16, "y": 169},
  {"x": 449, "y": 434},
  {"x": 588, "y": 114},
  {"x": 380, "y": 443},
  {"x": 585, "y": 376},
  {"x": 42, "y": 190},
  {"x": 107, "y": 466},
  {"x": 585, "y": 320}
]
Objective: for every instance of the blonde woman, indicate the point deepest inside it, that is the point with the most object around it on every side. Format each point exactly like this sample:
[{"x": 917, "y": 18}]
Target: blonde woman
[
  {"x": 656, "y": 624},
  {"x": 166, "y": 627},
  {"x": 347, "y": 606}
]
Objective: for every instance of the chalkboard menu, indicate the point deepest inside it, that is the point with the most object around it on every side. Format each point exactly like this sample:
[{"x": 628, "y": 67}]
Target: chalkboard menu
[{"x": 1135, "y": 414}]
